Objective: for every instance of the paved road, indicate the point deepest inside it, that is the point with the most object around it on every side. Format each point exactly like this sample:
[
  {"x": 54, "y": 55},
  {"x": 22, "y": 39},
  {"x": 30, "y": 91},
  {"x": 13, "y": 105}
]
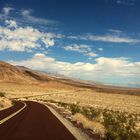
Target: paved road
[{"x": 34, "y": 122}]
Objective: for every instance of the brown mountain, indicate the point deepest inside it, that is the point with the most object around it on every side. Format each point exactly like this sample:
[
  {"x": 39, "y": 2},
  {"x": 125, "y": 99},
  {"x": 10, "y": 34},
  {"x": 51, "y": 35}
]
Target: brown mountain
[
  {"x": 21, "y": 74},
  {"x": 10, "y": 73}
]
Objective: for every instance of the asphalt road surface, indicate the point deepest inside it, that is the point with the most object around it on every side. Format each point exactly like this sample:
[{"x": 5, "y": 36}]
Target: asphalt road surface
[{"x": 34, "y": 122}]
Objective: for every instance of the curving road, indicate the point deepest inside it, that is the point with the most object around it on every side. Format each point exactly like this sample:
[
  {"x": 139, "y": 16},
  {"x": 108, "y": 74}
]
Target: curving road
[{"x": 34, "y": 122}]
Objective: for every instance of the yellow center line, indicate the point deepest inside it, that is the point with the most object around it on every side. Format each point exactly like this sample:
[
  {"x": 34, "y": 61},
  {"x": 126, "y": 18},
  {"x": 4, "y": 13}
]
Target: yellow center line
[{"x": 12, "y": 115}]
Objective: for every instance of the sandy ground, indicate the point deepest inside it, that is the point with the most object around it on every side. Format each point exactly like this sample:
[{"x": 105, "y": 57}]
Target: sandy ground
[
  {"x": 70, "y": 94},
  {"x": 81, "y": 96}
]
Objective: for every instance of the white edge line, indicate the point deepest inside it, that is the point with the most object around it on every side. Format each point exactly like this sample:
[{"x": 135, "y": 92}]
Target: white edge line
[
  {"x": 79, "y": 135},
  {"x": 12, "y": 115}
]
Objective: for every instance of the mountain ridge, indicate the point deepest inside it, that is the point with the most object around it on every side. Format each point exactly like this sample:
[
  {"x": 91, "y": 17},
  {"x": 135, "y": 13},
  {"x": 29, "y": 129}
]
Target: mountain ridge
[
  {"x": 23, "y": 75},
  {"x": 11, "y": 73}
]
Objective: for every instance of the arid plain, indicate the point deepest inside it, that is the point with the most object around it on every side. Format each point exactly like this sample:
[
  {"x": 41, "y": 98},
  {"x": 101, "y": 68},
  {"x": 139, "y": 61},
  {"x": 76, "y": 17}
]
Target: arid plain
[{"x": 110, "y": 112}]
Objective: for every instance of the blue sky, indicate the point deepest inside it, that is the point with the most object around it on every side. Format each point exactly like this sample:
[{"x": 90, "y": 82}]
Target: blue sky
[{"x": 92, "y": 40}]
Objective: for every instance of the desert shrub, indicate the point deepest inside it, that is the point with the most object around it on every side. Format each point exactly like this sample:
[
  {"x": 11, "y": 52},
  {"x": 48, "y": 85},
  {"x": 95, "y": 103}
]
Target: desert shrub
[
  {"x": 90, "y": 113},
  {"x": 120, "y": 126},
  {"x": 95, "y": 112},
  {"x": 74, "y": 108},
  {"x": 87, "y": 113},
  {"x": 63, "y": 104},
  {"x": 2, "y": 94}
]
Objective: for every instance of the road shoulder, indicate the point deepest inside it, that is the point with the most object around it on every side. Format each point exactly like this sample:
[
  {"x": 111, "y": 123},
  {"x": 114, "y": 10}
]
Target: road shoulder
[{"x": 79, "y": 135}]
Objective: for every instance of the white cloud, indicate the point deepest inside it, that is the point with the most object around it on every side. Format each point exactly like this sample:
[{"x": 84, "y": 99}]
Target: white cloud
[
  {"x": 27, "y": 14},
  {"x": 100, "y": 49},
  {"x": 17, "y": 45},
  {"x": 92, "y": 54},
  {"x": 85, "y": 49},
  {"x": 114, "y": 39},
  {"x": 126, "y": 2},
  {"x": 106, "y": 38},
  {"x": 11, "y": 23},
  {"x": 77, "y": 48},
  {"x": 105, "y": 69},
  {"x": 43, "y": 57},
  {"x": 7, "y": 10},
  {"x": 49, "y": 42},
  {"x": 24, "y": 38},
  {"x": 115, "y": 31}
]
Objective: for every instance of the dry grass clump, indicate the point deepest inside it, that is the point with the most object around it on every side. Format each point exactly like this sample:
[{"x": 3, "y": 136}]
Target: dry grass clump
[
  {"x": 4, "y": 102},
  {"x": 95, "y": 126}
]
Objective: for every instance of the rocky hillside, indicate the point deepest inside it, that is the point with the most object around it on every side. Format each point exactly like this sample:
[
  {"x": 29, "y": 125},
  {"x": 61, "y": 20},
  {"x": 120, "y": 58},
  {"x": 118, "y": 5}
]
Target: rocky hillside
[{"x": 10, "y": 73}]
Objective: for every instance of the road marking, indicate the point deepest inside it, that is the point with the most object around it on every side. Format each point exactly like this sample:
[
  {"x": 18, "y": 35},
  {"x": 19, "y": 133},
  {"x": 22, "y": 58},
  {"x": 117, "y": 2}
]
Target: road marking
[
  {"x": 77, "y": 133},
  {"x": 12, "y": 115}
]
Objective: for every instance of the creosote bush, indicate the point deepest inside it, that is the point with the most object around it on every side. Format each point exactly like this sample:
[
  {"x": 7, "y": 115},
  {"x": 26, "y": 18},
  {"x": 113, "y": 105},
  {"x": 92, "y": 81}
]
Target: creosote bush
[
  {"x": 121, "y": 126},
  {"x": 75, "y": 109}
]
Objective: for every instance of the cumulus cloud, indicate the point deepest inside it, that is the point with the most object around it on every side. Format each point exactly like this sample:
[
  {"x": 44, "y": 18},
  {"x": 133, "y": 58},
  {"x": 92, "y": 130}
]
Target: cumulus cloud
[
  {"x": 85, "y": 49},
  {"x": 112, "y": 38},
  {"x": 48, "y": 41},
  {"x": 15, "y": 38},
  {"x": 103, "y": 70},
  {"x": 27, "y": 14},
  {"x": 43, "y": 57},
  {"x": 11, "y": 23}
]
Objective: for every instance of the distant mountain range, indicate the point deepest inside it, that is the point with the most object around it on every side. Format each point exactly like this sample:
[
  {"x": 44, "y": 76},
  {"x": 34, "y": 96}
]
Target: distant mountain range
[{"x": 23, "y": 75}]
